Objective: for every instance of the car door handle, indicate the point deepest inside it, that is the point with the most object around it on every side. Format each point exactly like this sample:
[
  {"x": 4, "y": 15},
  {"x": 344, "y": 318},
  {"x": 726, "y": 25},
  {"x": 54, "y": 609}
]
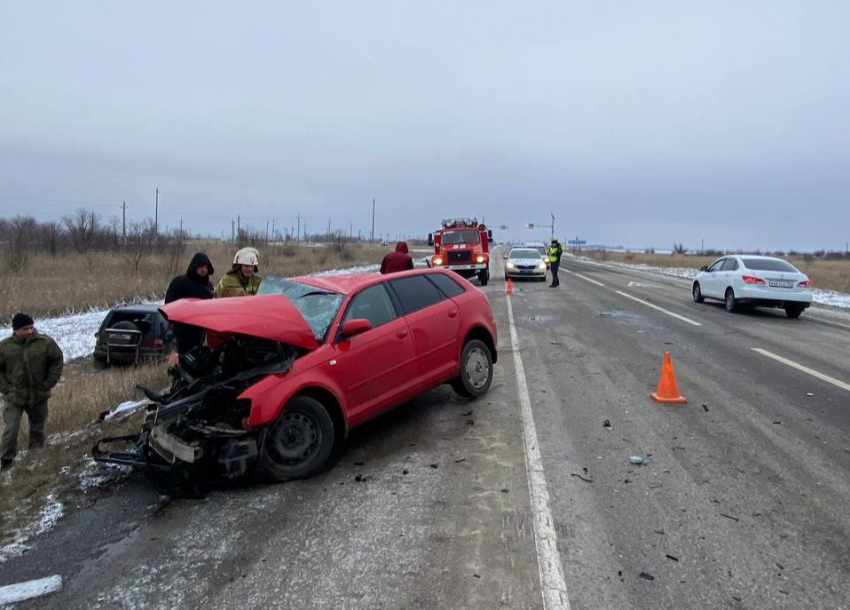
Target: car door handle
[
  {"x": 401, "y": 334},
  {"x": 453, "y": 313}
]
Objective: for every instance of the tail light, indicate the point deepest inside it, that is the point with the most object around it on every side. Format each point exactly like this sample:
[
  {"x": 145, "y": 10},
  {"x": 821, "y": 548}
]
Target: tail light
[
  {"x": 750, "y": 279},
  {"x": 158, "y": 343},
  {"x": 805, "y": 284}
]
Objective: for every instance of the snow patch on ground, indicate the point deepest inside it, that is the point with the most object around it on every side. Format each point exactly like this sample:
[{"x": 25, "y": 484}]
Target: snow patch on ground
[
  {"x": 820, "y": 297},
  {"x": 349, "y": 271},
  {"x": 50, "y": 513}
]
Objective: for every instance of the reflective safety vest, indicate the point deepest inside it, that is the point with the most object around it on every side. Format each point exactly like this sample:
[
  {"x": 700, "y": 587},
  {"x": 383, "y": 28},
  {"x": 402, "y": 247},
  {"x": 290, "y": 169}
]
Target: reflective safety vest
[{"x": 555, "y": 254}]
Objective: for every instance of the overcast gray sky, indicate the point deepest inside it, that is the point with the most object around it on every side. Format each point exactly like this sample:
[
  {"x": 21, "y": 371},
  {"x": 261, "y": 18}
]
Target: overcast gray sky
[{"x": 635, "y": 123}]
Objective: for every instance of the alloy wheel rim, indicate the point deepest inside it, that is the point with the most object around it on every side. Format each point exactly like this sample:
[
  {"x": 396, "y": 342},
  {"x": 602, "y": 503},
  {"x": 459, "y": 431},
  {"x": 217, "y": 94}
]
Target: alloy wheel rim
[{"x": 477, "y": 368}]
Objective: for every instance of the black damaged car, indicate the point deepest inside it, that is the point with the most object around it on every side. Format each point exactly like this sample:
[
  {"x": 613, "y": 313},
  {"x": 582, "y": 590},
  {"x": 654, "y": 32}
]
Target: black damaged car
[{"x": 131, "y": 334}]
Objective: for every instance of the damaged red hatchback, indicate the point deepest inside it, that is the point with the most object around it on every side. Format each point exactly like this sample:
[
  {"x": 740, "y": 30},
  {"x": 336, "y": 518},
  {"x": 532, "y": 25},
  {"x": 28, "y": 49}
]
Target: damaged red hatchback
[{"x": 286, "y": 374}]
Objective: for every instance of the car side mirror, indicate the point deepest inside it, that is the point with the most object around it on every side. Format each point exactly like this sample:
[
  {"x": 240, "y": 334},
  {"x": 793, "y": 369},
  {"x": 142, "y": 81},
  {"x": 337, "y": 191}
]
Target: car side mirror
[
  {"x": 430, "y": 239},
  {"x": 353, "y": 328},
  {"x": 704, "y": 268}
]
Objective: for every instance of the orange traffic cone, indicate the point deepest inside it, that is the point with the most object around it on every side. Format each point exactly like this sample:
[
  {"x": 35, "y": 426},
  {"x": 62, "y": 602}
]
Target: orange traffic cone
[
  {"x": 668, "y": 388},
  {"x": 509, "y": 290}
]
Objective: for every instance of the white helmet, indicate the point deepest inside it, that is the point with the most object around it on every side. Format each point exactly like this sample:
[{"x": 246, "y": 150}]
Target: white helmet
[{"x": 247, "y": 256}]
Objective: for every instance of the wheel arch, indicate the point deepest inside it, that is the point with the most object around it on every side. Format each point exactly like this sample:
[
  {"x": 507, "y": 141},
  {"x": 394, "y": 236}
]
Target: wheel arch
[
  {"x": 483, "y": 335},
  {"x": 330, "y": 402}
]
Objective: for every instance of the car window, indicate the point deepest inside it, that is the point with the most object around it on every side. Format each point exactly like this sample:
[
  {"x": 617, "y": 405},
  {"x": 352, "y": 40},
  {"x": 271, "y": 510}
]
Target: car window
[
  {"x": 524, "y": 254},
  {"x": 717, "y": 265},
  {"x": 317, "y": 306},
  {"x": 469, "y": 236},
  {"x": 768, "y": 264},
  {"x": 730, "y": 264},
  {"x": 447, "y": 285},
  {"x": 416, "y": 293},
  {"x": 373, "y": 304}
]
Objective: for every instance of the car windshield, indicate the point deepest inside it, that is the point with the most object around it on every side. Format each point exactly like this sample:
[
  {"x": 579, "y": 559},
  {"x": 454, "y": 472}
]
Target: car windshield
[
  {"x": 460, "y": 237},
  {"x": 529, "y": 253},
  {"x": 317, "y": 306},
  {"x": 768, "y": 264}
]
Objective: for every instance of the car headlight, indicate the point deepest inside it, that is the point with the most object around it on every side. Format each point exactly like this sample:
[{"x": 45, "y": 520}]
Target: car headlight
[
  {"x": 480, "y": 259},
  {"x": 510, "y": 265},
  {"x": 542, "y": 265},
  {"x": 438, "y": 260}
]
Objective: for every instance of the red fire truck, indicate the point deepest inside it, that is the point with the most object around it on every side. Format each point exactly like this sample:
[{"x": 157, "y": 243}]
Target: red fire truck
[{"x": 463, "y": 246}]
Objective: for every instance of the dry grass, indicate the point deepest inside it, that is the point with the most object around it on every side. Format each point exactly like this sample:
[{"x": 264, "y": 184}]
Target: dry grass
[
  {"x": 825, "y": 274},
  {"x": 72, "y": 430},
  {"x": 53, "y": 286}
]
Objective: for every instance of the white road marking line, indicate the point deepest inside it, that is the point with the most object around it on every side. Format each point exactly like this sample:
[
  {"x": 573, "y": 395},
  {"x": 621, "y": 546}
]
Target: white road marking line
[
  {"x": 661, "y": 309},
  {"x": 805, "y": 369},
  {"x": 552, "y": 583},
  {"x": 22, "y": 591},
  {"x": 587, "y": 279},
  {"x": 639, "y": 285}
]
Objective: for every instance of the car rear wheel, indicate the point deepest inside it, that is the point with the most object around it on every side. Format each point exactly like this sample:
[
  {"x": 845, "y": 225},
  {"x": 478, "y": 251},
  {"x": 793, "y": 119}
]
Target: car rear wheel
[
  {"x": 476, "y": 370},
  {"x": 299, "y": 443},
  {"x": 729, "y": 301},
  {"x": 793, "y": 311},
  {"x": 698, "y": 298}
]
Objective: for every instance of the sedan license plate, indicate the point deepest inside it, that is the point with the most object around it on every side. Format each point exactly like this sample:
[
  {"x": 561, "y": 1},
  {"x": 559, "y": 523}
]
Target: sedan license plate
[
  {"x": 526, "y": 271},
  {"x": 780, "y": 284}
]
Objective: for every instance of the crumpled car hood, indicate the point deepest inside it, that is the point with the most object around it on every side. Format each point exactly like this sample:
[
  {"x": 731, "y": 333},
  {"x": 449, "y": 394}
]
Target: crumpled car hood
[{"x": 272, "y": 317}]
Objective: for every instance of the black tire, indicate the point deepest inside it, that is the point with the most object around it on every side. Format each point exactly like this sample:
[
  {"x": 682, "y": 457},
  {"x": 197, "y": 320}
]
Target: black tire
[
  {"x": 476, "y": 370},
  {"x": 729, "y": 301},
  {"x": 299, "y": 443},
  {"x": 484, "y": 277},
  {"x": 697, "y": 292},
  {"x": 100, "y": 364},
  {"x": 124, "y": 325},
  {"x": 793, "y": 311}
]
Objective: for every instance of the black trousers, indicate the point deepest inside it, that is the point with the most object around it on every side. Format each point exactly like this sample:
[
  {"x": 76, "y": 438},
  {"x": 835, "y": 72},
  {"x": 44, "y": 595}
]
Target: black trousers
[{"x": 554, "y": 268}]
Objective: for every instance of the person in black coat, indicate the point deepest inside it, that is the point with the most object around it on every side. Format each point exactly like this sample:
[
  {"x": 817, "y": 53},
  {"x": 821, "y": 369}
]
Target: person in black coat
[{"x": 195, "y": 284}]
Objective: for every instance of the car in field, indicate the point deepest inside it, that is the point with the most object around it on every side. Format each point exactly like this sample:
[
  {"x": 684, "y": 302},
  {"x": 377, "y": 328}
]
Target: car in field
[
  {"x": 540, "y": 247},
  {"x": 131, "y": 334},
  {"x": 524, "y": 263},
  {"x": 286, "y": 374},
  {"x": 758, "y": 281}
]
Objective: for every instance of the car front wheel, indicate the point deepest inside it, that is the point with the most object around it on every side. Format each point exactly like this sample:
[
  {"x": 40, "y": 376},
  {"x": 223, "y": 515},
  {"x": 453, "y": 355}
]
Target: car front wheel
[
  {"x": 729, "y": 301},
  {"x": 476, "y": 370},
  {"x": 698, "y": 298},
  {"x": 484, "y": 277},
  {"x": 299, "y": 443}
]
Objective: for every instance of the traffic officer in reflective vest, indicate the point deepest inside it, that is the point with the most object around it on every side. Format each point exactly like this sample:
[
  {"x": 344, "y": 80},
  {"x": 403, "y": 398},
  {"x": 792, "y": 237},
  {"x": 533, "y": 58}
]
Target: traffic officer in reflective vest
[{"x": 555, "y": 252}]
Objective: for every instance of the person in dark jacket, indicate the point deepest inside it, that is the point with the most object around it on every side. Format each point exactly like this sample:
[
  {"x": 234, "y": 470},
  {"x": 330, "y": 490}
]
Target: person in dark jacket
[
  {"x": 397, "y": 261},
  {"x": 195, "y": 284},
  {"x": 30, "y": 365}
]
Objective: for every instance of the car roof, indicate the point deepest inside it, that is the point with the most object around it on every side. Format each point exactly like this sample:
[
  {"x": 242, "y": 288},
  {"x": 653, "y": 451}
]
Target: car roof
[
  {"x": 352, "y": 282},
  {"x": 756, "y": 257}
]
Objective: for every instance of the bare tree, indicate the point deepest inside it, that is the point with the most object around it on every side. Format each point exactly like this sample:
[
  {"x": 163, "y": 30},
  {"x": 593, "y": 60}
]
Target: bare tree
[
  {"x": 141, "y": 237},
  {"x": 21, "y": 235},
  {"x": 82, "y": 226}
]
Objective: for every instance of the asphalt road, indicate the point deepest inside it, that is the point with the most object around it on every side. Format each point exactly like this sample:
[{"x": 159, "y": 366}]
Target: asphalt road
[{"x": 742, "y": 502}]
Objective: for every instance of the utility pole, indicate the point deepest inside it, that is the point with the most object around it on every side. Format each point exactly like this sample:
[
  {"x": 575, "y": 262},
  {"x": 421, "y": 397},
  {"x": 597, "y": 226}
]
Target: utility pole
[
  {"x": 298, "y": 235},
  {"x": 552, "y": 236},
  {"x": 232, "y": 231},
  {"x": 267, "y": 232},
  {"x": 238, "y": 227},
  {"x": 329, "y": 229},
  {"x": 273, "y": 233},
  {"x": 124, "y": 222},
  {"x": 156, "y": 214},
  {"x": 181, "y": 230},
  {"x": 306, "y": 235},
  {"x": 350, "y": 230},
  {"x": 372, "y": 234}
]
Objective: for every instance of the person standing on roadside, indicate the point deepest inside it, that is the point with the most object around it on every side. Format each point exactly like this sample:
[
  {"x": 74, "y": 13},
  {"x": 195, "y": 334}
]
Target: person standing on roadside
[
  {"x": 30, "y": 366},
  {"x": 555, "y": 253},
  {"x": 195, "y": 284},
  {"x": 243, "y": 279},
  {"x": 397, "y": 261}
]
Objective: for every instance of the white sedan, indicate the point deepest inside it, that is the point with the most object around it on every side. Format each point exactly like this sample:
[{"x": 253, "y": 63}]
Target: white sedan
[
  {"x": 525, "y": 262},
  {"x": 760, "y": 281}
]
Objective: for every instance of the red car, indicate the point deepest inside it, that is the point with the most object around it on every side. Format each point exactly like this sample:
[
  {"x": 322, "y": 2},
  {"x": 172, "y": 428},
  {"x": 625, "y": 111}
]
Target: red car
[{"x": 286, "y": 374}]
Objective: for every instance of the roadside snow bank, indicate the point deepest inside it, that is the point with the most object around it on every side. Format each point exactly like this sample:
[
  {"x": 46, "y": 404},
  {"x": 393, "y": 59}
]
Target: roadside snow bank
[
  {"x": 51, "y": 512},
  {"x": 820, "y": 297}
]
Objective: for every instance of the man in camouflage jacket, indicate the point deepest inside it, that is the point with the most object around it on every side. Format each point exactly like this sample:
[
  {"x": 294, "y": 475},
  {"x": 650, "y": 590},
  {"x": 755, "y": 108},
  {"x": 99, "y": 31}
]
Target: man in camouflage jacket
[{"x": 30, "y": 365}]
